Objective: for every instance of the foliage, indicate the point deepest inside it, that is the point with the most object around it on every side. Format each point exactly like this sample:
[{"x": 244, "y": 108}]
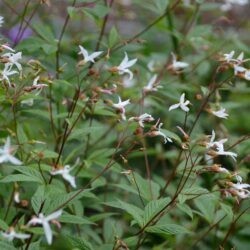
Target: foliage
[{"x": 124, "y": 125}]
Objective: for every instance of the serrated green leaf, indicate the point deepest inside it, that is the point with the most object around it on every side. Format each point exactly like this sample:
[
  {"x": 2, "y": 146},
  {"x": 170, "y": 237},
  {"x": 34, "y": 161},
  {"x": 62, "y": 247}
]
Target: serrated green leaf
[
  {"x": 134, "y": 211},
  {"x": 190, "y": 193},
  {"x": 73, "y": 219},
  {"x": 167, "y": 229},
  {"x": 186, "y": 209},
  {"x": 38, "y": 198},
  {"x": 144, "y": 186},
  {"x": 20, "y": 178},
  {"x": 29, "y": 171},
  {"x": 35, "y": 245},
  {"x": 79, "y": 243},
  {"x": 55, "y": 200},
  {"x": 7, "y": 246},
  {"x": 228, "y": 210},
  {"x": 206, "y": 204},
  {"x": 153, "y": 208}
]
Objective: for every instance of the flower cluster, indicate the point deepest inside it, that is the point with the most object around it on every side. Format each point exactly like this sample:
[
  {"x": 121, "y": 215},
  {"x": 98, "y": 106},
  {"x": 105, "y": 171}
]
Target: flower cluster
[
  {"x": 10, "y": 60},
  {"x": 237, "y": 64}
]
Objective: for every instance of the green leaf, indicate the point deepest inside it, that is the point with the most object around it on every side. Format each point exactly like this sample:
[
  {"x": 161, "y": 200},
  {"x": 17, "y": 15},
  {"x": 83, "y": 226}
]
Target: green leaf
[
  {"x": 186, "y": 209},
  {"x": 206, "y": 204},
  {"x": 167, "y": 229},
  {"x": 61, "y": 200},
  {"x": 71, "y": 11},
  {"x": 3, "y": 225},
  {"x": 73, "y": 219},
  {"x": 228, "y": 210},
  {"x": 45, "y": 32},
  {"x": 190, "y": 193},
  {"x": 134, "y": 211},
  {"x": 153, "y": 208},
  {"x": 161, "y": 5},
  {"x": 38, "y": 198},
  {"x": 101, "y": 216},
  {"x": 79, "y": 243},
  {"x": 7, "y": 246},
  {"x": 144, "y": 186},
  {"x": 22, "y": 138},
  {"x": 35, "y": 245},
  {"x": 99, "y": 11},
  {"x": 113, "y": 37},
  {"x": 29, "y": 171},
  {"x": 49, "y": 48},
  {"x": 19, "y": 178}
]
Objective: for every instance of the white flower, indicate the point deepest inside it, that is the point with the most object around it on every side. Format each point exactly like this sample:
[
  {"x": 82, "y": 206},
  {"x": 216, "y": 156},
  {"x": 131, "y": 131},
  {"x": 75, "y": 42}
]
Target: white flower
[
  {"x": 13, "y": 59},
  {"x": 182, "y": 104},
  {"x": 142, "y": 118},
  {"x": 220, "y": 113},
  {"x": 178, "y": 65},
  {"x": 38, "y": 86},
  {"x": 220, "y": 151},
  {"x": 243, "y": 194},
  {"x": 35, "y": 86},
  {"x": 11, "y": 234},
  {"x": 217, "y": 168},
  {"x": 1, "y": 21},
  {"x": 213, "y": 143},
  {"x": 5, "y": 154},
  {"x": 219, "y": 146},
  {"x": 151, "y": 86},
  {"x": 87, "y": 57},
  {"x": 6, "y": 73},
  {"x": 121, "y": 106},
  {"x": 44, "y": 221},
  {"x": 238, "y": 69},
  {"x": 66, "y": 175},
  {"x": 124, "y": 65},
  {"x": 241, "y": 186},
  {"x": 158, "y": 132},
  {"x": 240, "y": 189},
  {"x": 229, "y": 57},
  {"x": 240, "y": 57}
]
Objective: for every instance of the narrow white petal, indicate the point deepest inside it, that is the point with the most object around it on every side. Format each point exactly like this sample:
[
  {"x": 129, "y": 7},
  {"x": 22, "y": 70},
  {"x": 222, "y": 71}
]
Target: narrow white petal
[
  {"x": 14, "y": 160},
  {"x": 84, "y": 52},
  {"x": 131, "y": 63},
  {"x": 34, "y": 221},
  {"x": 175, "y": 106},
  {"x": 184, "y": 108},
  {"x": 47, "y": 231},
  {"x": 124, "y": 61},
  {"x": 22, "y": 236},
  {"x": 70, "y": 179},
  {"x": 94, "y": 55},
  {"x": 54, "y": 215}
]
